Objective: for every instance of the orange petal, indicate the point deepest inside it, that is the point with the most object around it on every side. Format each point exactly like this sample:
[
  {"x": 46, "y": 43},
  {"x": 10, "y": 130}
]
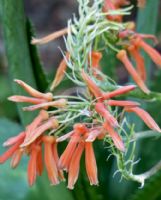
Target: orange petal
[
  {"x": 90, "y": 162},
  {"x": 39, "y": 163},
  {"x": 149, "y": 121},
  {"x": 56, "y": 158},
  {"x": 6, "y": 155},
  {"x": 32, "y": 165},
  {"x": 109, "y": 6},
  {"x": 61, "y": 103},
  {"x": 43, "y": 115},
  {"x": 65, "y": 158},
  {"x": 13, "y": 140},
  {"x": 50, "y": 37},
  {"x": 96, "y": 57},
  {"x": 115, "y": 136},
  {"x": 17, "y": 98},
  {"x": 75, "y": 165},
  {"x": 33, "y": 92},
  {"x": 122, "y": 103},
  {"x": 51, "y": 123},
  {"x": 16, "y": 158},
  {"x": 119, "y": 3},
  {"x": 91, "y": 85},
  {"x": 50, "y": 163},
  {"x": 60, "y": 73},
  {"x": 64, "y": 137},
  {"x": 101, "y": 109},
  {"x": 139, "y": 61},
  {"x": 93, "y": 134},
  {"x": 119, "y": 91},
  {"x": 122, "y": 56},
  {"x": 155, "y": 56}
]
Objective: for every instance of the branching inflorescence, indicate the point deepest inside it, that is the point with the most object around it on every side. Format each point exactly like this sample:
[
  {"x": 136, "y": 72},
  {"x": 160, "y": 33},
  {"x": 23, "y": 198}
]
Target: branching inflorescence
[{"x": 94, "y": 115}]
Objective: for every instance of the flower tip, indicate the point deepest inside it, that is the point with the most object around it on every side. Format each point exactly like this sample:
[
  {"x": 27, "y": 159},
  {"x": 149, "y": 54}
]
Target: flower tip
[
  {"x": 5, "y": 144},
  {"x": 10, "y": 98},
  {"x": 34, "y": 40},
  {"x": 52, "y": 87},
  {"x": 17, "y": 81},
  {"x": 94, "y": 183},
  {"x": 120, "y": 145},
  {"x": 146, "y": 91},
  {"x": 120, "y": 54},
  {"x": 70, "y": 187}
]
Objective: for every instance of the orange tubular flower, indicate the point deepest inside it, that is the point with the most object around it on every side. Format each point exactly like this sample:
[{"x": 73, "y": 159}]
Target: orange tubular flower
[
  {"x": 43, "y": 115},
  {"x": 56, "y": 158},
  {"x": 101, "y": 109},
  {"x": 119, "y": 3},
  {"x": 61, "y": 103},
  {"x": 154, "y": 55},
  {"x": 65, "y": 137},
  {"x": 39, "y": 163},
  {"x": 33, "y": 92},
  {"x": 90, "y": 162},
  {"x": 75, "y": 165},
  {"x": 119, "y": 91},
  {"x": 122, "y": 56},
  {"x": 149, "y": 121},
  {"x": 52, "y": 123},
  {"x": 66, "y": 157},
  {"x": 122, "y": 103},
  {"x": 96, "y": 57},
  {"x": 16, "y": 158},
  {"x": 91, "y": 85},
  {"x": 109, "y": 6},
  {"x": 134, "y": 51},
  {"x": 50, "y": 37},
  {"x": 32, "y": 164},
  {"x": 50, "y": 163},
  {"x": 115, "y": 137},
  {"x": 94, "y": 133},
  {"x": 10, "y": 152},
  {"x": 15, "y": 139},
  {"x": 18, "y": 98},
  {"x": 60, "y": 73}
]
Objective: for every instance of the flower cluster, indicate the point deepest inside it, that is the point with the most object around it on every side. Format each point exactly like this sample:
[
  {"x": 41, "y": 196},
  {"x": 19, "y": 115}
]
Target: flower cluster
[{"x": 99, "y": 107}]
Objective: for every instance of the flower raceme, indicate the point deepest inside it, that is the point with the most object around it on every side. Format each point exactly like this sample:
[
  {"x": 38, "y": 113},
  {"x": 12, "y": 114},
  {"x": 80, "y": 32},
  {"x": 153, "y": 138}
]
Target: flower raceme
[
  {"x": 41, "y": 137},
  {"x": 29, "y": 142},
  {"x": 70, "y": 159},
  {"x": 82, "y": 136}
]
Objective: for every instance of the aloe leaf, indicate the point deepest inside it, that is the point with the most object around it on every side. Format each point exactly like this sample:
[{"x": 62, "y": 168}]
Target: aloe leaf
[
  {"x": 39, "y": 73},
  {"x": 17, "y": 49}
]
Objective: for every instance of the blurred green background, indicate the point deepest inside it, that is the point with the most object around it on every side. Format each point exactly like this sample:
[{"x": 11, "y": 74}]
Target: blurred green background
[{"x": 18, "y": 59}]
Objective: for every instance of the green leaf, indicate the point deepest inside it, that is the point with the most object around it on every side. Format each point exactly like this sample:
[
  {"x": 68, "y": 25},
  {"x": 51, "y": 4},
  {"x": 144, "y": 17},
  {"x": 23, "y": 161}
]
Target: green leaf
[
  {"x": 39, "y": 74},
  {"x": 17, "y": 49}
]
